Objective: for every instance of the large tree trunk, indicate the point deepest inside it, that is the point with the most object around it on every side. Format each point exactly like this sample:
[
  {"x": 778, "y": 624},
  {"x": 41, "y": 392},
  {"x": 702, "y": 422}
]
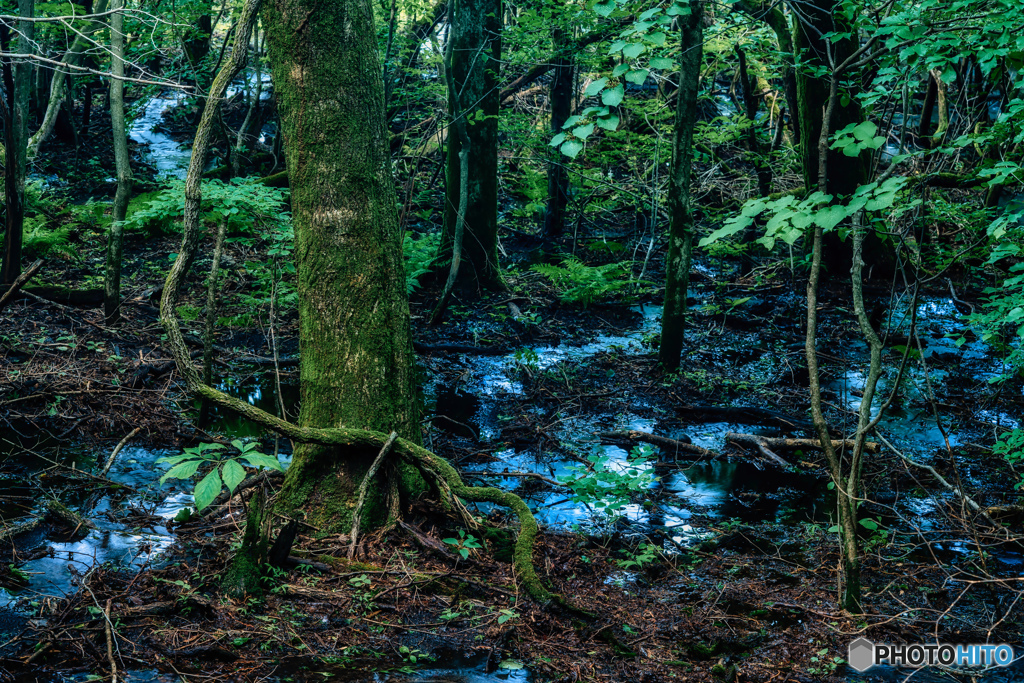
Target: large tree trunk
[
  {"x": 115, "y": 240},
  {"x": 680, "y": 242},
  {"x": 16, "y": 129},
  {"x": 355, "y": 337},
  {"x": 561, "y": 108},
  {"x": 476, "y": 30}
]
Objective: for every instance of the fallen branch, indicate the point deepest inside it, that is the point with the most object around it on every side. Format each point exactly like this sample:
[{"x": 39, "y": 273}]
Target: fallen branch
[
  {"x": 792, "y": 444},
  {"x": 759, "y": 443},
  {"x": 117, "y": 449},
  {"x": 662, "y": 441},
  {"x": 19, "y": 283}
]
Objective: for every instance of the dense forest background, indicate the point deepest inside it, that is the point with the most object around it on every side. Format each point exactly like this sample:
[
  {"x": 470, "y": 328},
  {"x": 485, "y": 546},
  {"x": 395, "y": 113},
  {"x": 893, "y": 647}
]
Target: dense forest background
[{"x": 541, "y": 341}]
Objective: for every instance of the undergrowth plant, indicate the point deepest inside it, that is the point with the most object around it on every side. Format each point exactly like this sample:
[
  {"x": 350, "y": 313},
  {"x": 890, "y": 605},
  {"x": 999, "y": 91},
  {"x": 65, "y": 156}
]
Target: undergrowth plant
[
  {"x": 582, "y": 284},
  {"x": 609, "y": 486},
  {"x": 419, "y": 255},
  {"x": 225, "y": 471}
]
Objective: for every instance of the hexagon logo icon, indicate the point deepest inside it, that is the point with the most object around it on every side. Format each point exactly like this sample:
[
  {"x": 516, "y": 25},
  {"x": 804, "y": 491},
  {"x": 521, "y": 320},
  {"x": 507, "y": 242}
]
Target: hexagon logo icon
[{"x": 861, "y": 655}]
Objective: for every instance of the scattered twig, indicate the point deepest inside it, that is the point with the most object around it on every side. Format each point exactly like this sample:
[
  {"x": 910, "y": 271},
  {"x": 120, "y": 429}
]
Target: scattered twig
[{"x": 117, "y": 449}]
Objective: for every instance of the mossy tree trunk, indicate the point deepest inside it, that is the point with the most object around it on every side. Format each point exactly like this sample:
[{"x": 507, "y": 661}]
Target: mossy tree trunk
[
  {"x": 355, "y": 337},
  {"x": 476, "y": 59},
  {"x": 680, "y": 245},
  {"x": 561, "y": 108},
  {"x": 115, "y": 239},
  {"x": 18, "y": 86}
]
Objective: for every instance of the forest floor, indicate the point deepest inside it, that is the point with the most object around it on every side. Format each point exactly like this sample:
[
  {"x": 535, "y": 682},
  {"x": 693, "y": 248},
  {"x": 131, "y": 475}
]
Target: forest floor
[
  {"x": 723, "y": 567},
  {"x": 735, "y": 585}
]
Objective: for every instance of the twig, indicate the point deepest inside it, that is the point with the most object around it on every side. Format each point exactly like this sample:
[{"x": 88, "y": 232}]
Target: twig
[
  {"x": 117, "y": 449},
  {"x": 110, "y": 643}
]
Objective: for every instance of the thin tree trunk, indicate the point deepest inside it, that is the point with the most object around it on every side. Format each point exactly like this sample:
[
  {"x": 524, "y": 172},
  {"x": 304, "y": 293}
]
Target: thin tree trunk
[
  {"x": 115, "y": 240},
  {"x": 476, "y": 30},
  {"x": 16, "y": 131},
  {"x": 677, "y": 264},
  {"x": 561, "y": 108},
  {"x": 58, "y": 82}
]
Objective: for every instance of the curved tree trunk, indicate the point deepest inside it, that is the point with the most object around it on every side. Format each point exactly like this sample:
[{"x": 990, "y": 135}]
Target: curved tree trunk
[
  {"x": 476, "y": 30},
  {"x": 115, "y": 240},
  {"x": 355, "y": 337},
  {"x": 680, "y": 244}
]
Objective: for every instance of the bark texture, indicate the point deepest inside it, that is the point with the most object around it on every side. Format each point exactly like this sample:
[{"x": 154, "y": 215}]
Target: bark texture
[
  {"x": 355, "y": 338},
  {"x": 115, "y": 240},
  {"x": 677, "y": 265},
  {"x": 561, "y": 109},
  {"x": 16, "y": 124}
]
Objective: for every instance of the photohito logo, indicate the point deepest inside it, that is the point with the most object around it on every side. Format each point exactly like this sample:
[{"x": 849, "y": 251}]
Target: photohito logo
[{"x": 864, "y": 654}]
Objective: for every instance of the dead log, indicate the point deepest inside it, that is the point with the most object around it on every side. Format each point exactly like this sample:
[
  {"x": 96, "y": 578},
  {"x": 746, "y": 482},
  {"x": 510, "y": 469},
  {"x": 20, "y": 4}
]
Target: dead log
[{"x": 793, "y": 444}]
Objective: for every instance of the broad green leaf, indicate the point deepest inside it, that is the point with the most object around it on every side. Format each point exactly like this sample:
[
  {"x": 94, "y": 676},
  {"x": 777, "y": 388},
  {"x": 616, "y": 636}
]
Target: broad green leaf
[
  {"x": 571, "y": 148},
  {"x": 662, "y": 63},
  {"x": 633, "y": 50},
  {"x": 613, "y": 96},
  {"x": 595, "y": 87},
  {"x": 207, "y": 489},
  {"x": 753, "y": 207},
  {"x": 182, "y": 471},
  {"x": 731, "y": 227},
  {"x": 864, "y": 131},
  {"x": 881, "y": 201},
  {"x": 571, "y": 121},
  {"x": 175, "y": 459},
  {"x": 583, "y": 132},
  {"x": 233, "y": 474},
  {"x": 829, "y": 217},
  {"x": 263, "y": 460},
  {"x": 605, "y": 7},
  {"x": 619, "y": 70},
  {"x": 557, "y": 140},
  {"x": 658, "y": 38},
  {"x": 610, "y": 122},
  {"x": 637, "y": 76},
  {"x": 802, "y": 220},
  {"x": 616, "y": 46},
  {"x": 679, "y": 8}
]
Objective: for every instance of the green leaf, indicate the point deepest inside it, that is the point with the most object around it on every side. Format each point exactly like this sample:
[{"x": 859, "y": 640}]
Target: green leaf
[
  {"x": 869, "y": 524},
  {"x": 633, "y": 50},
  {"x": 609, "y": 122},
  {"x": 656, "y": 38},
  {"x": 830, "y": 216},
  {"x": 616, "y": 46},
  {"x": 181, "y": 471},
  {"x": 571, "y": 148},
  {"x": 679, "y": 8},
  {"x": 637, "y": 76},
  {"x": 583, "y": 132},
  {"x": 258, "y": 460},
  {"x": 557, "y": 140},
  {"x": 730, "y": 228},
  {"x": 864, "y": 131},
  {"x": 596, "y": 87},
  {"x": 207, "y": 490},
  {"x": 233, "y": 474},
  {"x": 605, "y": 7},
  {"x": 619, "y": 70},
  {"x": 612, "y": 97},
  {"x": 880, "y": 201},
  {"x": 662, "y": 63}
]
